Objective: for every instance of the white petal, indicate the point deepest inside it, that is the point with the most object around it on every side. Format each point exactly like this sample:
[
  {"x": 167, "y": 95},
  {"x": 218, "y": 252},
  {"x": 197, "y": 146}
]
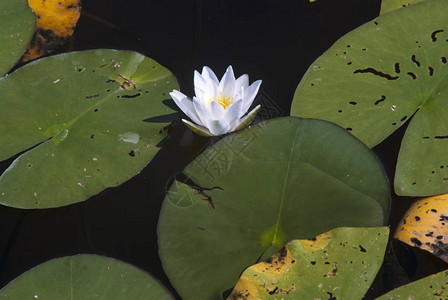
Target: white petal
[
  {"x": 177, "y": 94},
  {"x": 207, "y": 73},
  {"x": 218, "y": 127},
  {"x": 243, "y": 109},
  {"x": 250, "y": 94},
  {"x": 185, "y": 104},
  {"x": 244, "y": 122},
  {"x": 216, "y": 111},
  {"x": 198, "y": 80},
  {"x": 209, "y": 92},
  {"x": 239, "y": 94},
  {"x": 233, "y": 113},
  {"x": 191, "y": 113},
  {"x": 202, "y": 112},
  {"x": 242, "y": 81},
  {"x": 200, "y": 130},
  {"x": 199, "y": 84},
  {"x": 227, "y": 85}
]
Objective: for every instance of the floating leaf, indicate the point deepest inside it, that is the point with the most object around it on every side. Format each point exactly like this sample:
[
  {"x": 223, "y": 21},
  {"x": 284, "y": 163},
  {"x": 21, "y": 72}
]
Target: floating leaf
[
  {"x": 82, "y": 277},
  {"x": 424, "y": 225},
  {"x": 94, "y": 118},
  {"x": 390, "y": 5},
  {"x": 257, "y": 189},
  {"x": 339, "y": 264},
  {"x": 431, "y": 287},
  {"x": 56, "y": 21},
  {"x": 17, "y": 23},
  {"x": 377, "y": 77}
]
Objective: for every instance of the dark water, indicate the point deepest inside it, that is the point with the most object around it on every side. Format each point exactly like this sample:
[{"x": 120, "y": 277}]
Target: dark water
[{"x": 273, "y": 40}]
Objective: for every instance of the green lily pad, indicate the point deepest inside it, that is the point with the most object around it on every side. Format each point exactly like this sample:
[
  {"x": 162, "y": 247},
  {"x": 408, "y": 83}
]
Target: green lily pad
[
  {"x": 83, "y": 277},
  {"x": 95, "y": 119},
  {"x": 374, "y": 79},
  {"x": 339, "y": 264},
  {"x": 255, "y": 190},
  {"x": 17, "y": 23},
  {"x": 390, "y": 5},
  {"x": 431, "y": 287}
]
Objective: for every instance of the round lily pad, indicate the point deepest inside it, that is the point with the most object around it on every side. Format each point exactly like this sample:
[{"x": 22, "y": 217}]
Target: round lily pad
[
  {"x": 86, "y": 121},
  {"x": 255, "y": 190}
]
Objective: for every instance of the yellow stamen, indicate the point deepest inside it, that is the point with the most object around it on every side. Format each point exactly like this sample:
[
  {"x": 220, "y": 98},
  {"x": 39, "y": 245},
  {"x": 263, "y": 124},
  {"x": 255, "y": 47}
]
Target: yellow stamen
[{"x": 223, "y": 100}]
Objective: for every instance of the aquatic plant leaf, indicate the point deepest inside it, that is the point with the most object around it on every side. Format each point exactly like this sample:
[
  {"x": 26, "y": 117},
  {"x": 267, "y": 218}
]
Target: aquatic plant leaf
[
  {"x": 84, "y": 276},
  {"x": 93, "y": 119},
  {"x": 374, "y": 79},
  {"x": 424, "y": 225},
  {"x": 390, "y": 5},
  {"x": 339, "y": 264},
  {"x": 431, "y": 287},
  {"x": 56, "y": 22},
  {"x": 17, "y": 23},
  {"x": 253, "y": 191}
]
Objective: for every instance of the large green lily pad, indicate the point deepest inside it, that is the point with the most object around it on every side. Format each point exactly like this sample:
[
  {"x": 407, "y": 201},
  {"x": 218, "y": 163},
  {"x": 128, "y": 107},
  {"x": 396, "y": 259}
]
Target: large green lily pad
[
  {"x": 377, "y": 77},
  {"x": 284, "y": 179},
  {"x": 83, "y": 277},
  {"x": 17, "y": 23},
  {"x": 339, "y": 264},
  {"x": 432, "y": 287},
  {"x": 97, "y": 118}
]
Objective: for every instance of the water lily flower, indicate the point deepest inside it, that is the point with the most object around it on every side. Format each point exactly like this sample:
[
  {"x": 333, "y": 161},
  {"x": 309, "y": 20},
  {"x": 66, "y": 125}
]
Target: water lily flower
[{"x": 219, "y": 107}]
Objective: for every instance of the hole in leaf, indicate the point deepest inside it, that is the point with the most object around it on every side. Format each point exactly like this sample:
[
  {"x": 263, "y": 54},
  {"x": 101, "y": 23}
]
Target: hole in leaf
[
  {"x": 380, "y": 100},
  {"x": 415, "y": 61},
  {"x": 434, "y": 34},
  {"x": 375, "y": 72},
  {"x": 413, "y": 75}
]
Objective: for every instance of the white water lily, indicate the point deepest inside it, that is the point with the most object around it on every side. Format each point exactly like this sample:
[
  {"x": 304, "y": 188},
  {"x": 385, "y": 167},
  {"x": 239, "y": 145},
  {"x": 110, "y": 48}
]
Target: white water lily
[{"x": 219, "y": 107}]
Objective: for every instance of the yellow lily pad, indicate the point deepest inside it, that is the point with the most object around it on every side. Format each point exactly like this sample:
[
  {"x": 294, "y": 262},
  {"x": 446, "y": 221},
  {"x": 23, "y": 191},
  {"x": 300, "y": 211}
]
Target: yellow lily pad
[
  {"x": 425, "y": 226},
  {"x": 56, "y": 22}
]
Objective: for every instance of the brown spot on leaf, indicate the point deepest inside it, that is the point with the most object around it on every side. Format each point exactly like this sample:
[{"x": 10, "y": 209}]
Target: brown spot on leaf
[{"x": 416, "y": 242}]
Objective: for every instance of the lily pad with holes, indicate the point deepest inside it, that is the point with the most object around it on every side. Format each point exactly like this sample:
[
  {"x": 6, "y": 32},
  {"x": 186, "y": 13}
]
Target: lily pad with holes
[
  {"x": 17, "y": 23},
  {"x": 86, "y": 121},
  {"x": 255, "y": 190},
  {"x": 82, "y": 277},
  {"x": 379, "y": 76},
  {"x": 339, "y": 264}
]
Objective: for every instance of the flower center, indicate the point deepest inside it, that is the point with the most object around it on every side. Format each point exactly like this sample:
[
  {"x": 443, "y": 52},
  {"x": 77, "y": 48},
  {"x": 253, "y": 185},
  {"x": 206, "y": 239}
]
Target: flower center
[{"x": 223, "y": 100}]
